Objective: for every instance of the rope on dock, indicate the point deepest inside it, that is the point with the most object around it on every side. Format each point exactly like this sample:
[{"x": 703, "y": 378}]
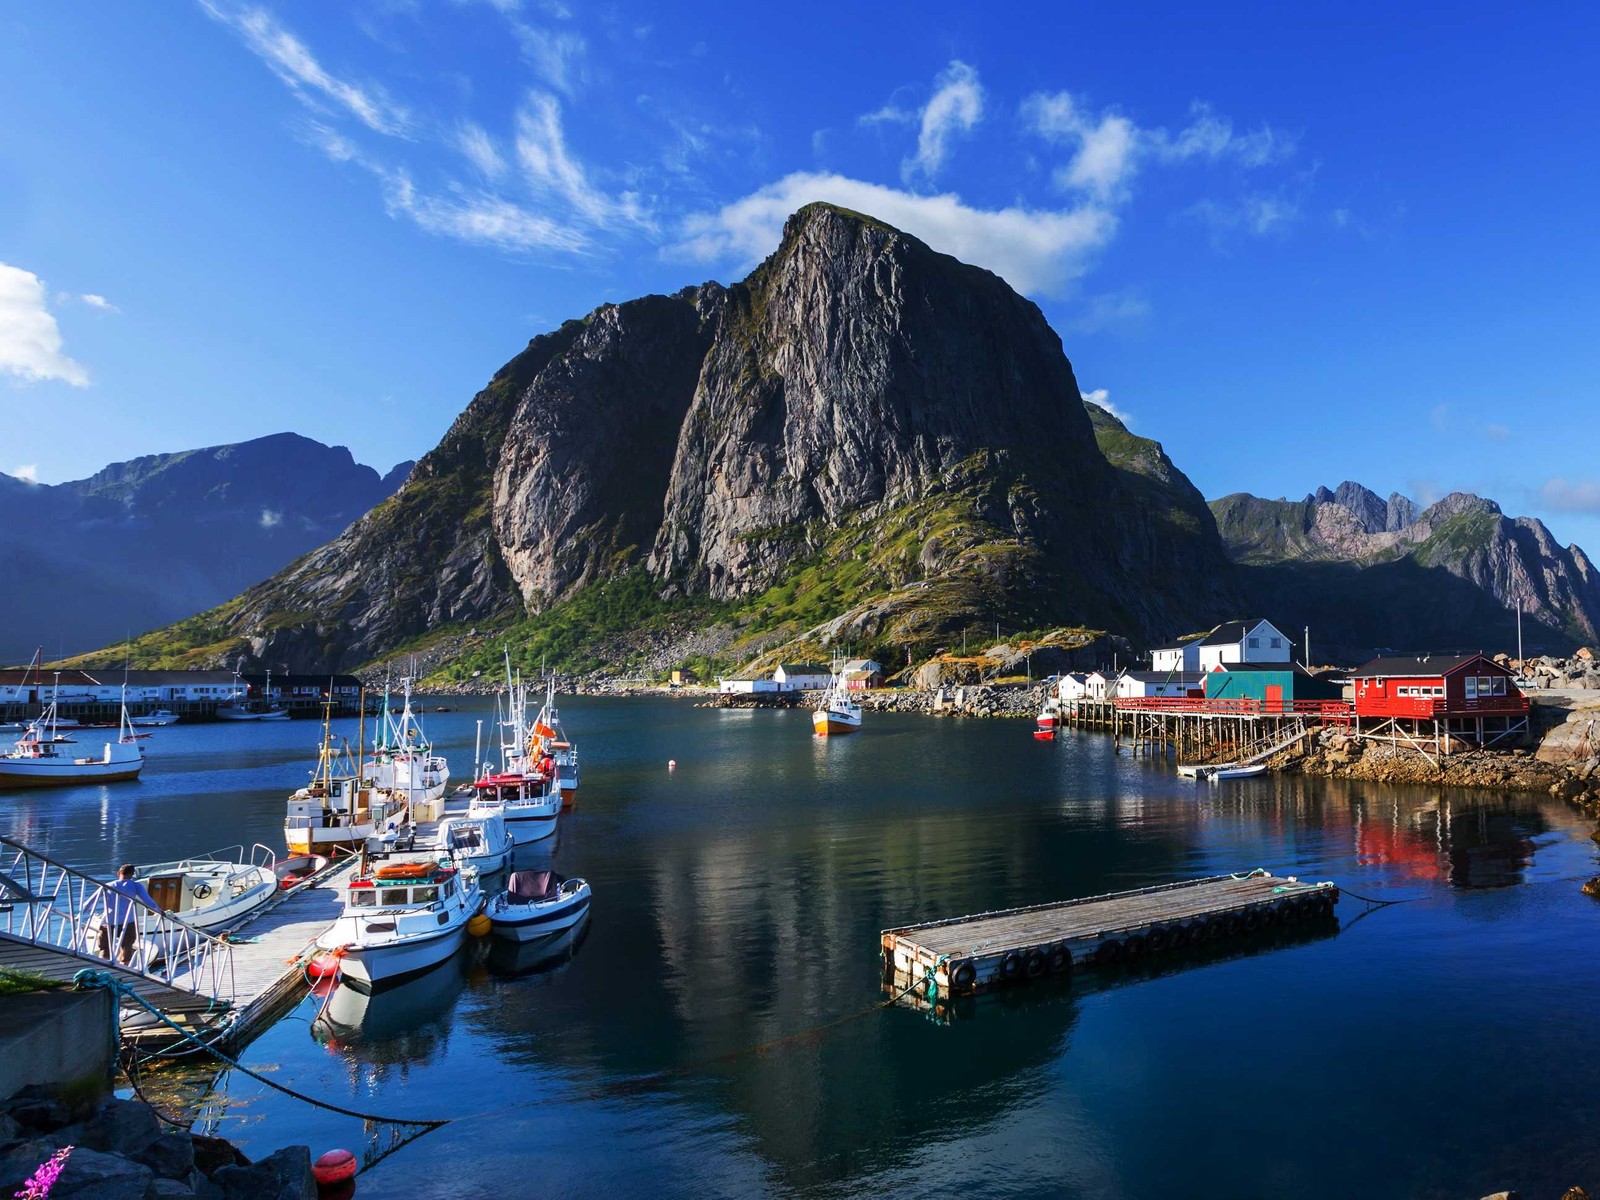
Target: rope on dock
[{"x": 1344, "y": 891}]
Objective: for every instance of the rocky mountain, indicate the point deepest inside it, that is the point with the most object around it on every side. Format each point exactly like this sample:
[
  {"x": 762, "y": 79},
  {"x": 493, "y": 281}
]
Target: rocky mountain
[
  {"x": 1365, "y": 571},
  {"x": 864, "y": 440},
  {"x": 156, "y": 538}
]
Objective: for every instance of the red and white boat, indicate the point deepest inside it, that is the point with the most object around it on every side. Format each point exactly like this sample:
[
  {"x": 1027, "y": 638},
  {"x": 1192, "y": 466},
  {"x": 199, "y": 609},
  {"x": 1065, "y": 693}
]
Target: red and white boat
[
  {"x": 525, "y": 790},
  {"x": 838, "y": 713},
  {"x": 39, "y": 760}
]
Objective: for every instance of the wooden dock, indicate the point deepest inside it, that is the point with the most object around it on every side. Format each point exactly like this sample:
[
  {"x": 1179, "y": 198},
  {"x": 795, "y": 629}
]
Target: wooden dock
[{"x": 965, "y": 955}]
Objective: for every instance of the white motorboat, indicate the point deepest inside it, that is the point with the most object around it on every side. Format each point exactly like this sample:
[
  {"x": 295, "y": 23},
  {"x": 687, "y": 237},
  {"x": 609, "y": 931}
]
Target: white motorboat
[
  {"x": 838, "y": 712},
  {"x": 403, "y": 761},
  {"x": 212, "y": 892},
  {"x": 299, "y": 868},
  {"x": 401, "y": 918},
  {"x": 479, "y": 839},
  {"x": 336, "y": 811},
  {"x": 160, "y": 717},
  {"x": 537, "y": 904},
  {"x": 1237, "y": 772},
  {"x": 550, "y": 742},
  {"x": 37, "y": 759}
]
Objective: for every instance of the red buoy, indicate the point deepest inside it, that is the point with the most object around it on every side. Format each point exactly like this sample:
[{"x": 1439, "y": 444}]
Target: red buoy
[
  {"x": 322, "y": 966},
  {"x": 334, "y": 1167}
]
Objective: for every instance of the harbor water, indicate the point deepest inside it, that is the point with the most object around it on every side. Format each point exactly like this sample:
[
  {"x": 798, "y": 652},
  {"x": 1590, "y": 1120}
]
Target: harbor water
[{"x": 714, "y": 1029}]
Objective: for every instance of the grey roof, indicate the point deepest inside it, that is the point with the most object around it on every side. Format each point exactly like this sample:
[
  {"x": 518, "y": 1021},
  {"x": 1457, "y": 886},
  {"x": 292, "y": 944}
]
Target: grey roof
[
  {"x": 1231, "y": 632},
  {"x": 1296, "y": 668},
  {"x": 1413, "y": 666},
  {"x": 802, "y": 669},
  {"x": 1194, "y": 677}
]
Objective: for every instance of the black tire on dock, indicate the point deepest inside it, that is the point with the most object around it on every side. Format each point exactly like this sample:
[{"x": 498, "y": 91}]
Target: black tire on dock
[
  {"x": 1235, "y": 925},
  {"x": 1011, "y": 967},
  {"x": 1109, "y": 952},
  {"x": 1135, "y": 946},
  {"x": 1060, "y": 959},
  {"x": 1269, "y": 915},
  {"x": 1179, "y": 937},
  {"x": 1157, "y": 939},
  {"x": 1035, "y": 964},
  {"x": 963, "y": 976},
  {"x": 1252, "y": 921}
]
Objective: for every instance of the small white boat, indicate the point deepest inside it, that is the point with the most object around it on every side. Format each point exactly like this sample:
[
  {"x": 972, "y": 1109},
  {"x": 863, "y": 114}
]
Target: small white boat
[
  {"x": 537, "y": 904},
  {"x": 400, "y": 919},
  {"x": 213, "y": 891},
  {"x": 479, "y": 839},
  {"x": 838, "y": 713},
  {"x": 37, "y": 759},
  {"x": 403, "y": 761},
  {"x": 240, "y": 707},
  {"x": 1237, "y": 772},
  {"x": 160, "y": 717},
  {"x": 297, "y": 868}
]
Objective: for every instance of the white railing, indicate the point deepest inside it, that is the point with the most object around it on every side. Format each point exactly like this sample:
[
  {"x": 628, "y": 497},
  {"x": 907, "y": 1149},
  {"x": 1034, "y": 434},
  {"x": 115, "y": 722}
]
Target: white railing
[{"x": 54, "y": 906}]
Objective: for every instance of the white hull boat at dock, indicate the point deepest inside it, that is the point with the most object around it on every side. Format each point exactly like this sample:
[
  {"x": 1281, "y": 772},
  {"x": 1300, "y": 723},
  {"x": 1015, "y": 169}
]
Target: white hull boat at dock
[
  {"x": 537, "y": 904},
  {"x": 401, "y": 919},
  {"x": 479, "y": 839}
]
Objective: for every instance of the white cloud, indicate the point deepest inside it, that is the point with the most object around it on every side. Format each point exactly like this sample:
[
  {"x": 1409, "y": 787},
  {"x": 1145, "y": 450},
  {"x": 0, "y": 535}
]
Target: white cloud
[
  {"x": 292, "y": 62},
  {"x": 889, "y": 114},
  {"x": 1038, "y": 251},
  {"x": 559, "y": 58},
  {"x": 1578, "y": 495},
  {"x": 28, "y": 472},
  {"x": 30, "y": 339},
  {"x": 478, "y": 217},
  {"x": 1211, "y": 137},
  {"x": 270, "y": 519},
  {"x": 955, "y": 107},
  {"x": 100, "y": 302},
  {"x": 550, "y": 170},
  {"x": 1102, "y": 397},
  {"x": 474, "y": 142},
  {"x": 1259, "y": 214},
  {"x": 1497, "y": 433}
]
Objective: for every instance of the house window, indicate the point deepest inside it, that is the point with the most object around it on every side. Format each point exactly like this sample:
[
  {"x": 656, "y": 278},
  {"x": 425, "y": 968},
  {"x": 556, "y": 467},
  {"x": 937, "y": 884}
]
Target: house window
[
  {"x": 1277, "y": 643},
  {"x": 1499, "y": 685},
  {"x": 1471, "y": 682},
  {"x": 1255, "y": 643},
  {"x": 1486, "y": 685}
]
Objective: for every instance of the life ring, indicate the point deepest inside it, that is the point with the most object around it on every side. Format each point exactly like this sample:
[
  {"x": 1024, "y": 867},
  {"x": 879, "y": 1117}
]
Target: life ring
[
  {"x": 963, "y": 976},
  {"x": 1060, "y": 959},
  {"x": 1011, "y": 966},
  {"x": 1135, "y": 946},
  {"x": 201, "y": 890},
  {"x": 1035, "y": 965},
  {"x": 1108, "y": 952}
]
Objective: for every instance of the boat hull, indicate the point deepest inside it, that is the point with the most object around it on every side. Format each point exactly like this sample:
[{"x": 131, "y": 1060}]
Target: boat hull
[
  {"x": 327, "y": 841},
  {"x": 530, "y": 922},
  {"x": 14, "y": 775},
  {"x": 375, "y": 968},
  {"x": 832, "y": 725},
  {"x": 530, "y": 827}
]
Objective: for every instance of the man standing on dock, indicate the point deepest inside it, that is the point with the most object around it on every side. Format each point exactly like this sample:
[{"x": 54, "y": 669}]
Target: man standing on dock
[{"x": 122, "y": 913}]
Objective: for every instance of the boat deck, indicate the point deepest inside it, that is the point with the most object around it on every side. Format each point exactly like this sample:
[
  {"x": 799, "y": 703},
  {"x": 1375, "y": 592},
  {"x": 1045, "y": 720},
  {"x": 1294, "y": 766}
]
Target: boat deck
[{"x": 970, "y": 954}]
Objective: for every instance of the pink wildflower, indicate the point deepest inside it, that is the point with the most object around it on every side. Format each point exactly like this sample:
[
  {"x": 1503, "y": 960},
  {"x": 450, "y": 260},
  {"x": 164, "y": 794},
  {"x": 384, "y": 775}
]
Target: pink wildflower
[{"x": 42, "y": 1180}]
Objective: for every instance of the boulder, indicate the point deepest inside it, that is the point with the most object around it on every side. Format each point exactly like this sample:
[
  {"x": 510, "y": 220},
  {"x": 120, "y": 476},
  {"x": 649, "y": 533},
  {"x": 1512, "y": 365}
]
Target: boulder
[
  {"x": 1592, "y": 888},
  {"x": 1574, "y": 1193},
  {"x": 122, "y": 1127},
  {"x": 211, "y": 1154},
  {"x": 170, "y": 1156},
  {"x": 1585, "y": 653},
  {"x": 284, "y": 1175},
  {"x": 168, "y": 1189},
  {"x": 40, "y": 1114}
]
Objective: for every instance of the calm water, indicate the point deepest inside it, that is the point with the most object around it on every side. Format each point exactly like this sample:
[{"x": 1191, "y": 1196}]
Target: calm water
[{"x": 1438, "y": 1048}]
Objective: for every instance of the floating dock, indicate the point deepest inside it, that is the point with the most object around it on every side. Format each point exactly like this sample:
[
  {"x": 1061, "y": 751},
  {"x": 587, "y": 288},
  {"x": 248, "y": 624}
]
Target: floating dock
[{"x": 965, "y": 955}]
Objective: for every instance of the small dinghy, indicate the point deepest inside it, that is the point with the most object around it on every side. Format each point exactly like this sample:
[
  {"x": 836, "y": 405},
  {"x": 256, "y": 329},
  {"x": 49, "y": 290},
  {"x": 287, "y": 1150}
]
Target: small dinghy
[
  {"x": 292, "y": 872},
  {"x": 536, "y": 904}
]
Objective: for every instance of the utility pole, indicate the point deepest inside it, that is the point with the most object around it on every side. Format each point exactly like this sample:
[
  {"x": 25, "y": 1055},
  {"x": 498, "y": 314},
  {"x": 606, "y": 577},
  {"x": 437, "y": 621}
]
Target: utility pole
[
  {"x": 1308, "y": 647},
  {"x": 1519, "y": 633}
]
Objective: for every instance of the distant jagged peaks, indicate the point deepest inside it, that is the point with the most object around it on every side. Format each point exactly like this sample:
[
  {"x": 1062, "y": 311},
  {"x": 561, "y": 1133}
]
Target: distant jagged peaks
[{"x": 1376, "y": 515}]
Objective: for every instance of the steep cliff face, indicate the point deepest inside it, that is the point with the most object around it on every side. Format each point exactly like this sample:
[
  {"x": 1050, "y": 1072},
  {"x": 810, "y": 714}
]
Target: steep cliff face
[
  {"x": 1374, "y": 572},
  {"x": 864, "y": 434}
]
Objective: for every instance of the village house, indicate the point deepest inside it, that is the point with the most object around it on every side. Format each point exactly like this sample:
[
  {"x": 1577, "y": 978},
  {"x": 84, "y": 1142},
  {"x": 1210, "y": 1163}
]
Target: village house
[
  {"x": 1244, "y": 642},
  {"x": 1147, "y": 685},
  {"x": 1439, "y": 696},
  {"x": 1273, "y": 687},
  {"x": 1181, "y": 656},
  {"x": 801, "y": 677},
  {"x": 1072, "y": 686},
  {"x": 746, "y": 687},
  {"x": 1098, "y": 685}
]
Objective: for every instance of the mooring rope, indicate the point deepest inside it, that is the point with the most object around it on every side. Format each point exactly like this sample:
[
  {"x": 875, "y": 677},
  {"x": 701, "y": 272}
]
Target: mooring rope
[{"x": 1344, "y": 891}]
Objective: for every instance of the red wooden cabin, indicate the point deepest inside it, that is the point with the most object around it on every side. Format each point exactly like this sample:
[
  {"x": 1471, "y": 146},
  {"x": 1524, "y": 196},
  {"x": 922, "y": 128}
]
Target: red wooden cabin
[{"x": 1436, "y": 686}]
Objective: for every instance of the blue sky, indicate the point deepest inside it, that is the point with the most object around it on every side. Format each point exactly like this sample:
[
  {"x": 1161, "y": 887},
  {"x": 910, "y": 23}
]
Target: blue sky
[{"x": 1296, "y": 244}]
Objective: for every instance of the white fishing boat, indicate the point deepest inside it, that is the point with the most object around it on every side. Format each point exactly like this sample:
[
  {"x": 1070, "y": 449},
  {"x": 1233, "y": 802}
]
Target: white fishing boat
[
  {"x": 838, "y": 711},
  {"x": 336, "y": 811},
  {"x": 550, "y": 742},
  {"x": 149, "y": 720},
  {"x": 38, "y": 760},
  {"x": 527, "y": 797},
  {"x": 537, "y": 904},
  {"x": 477, "y": 839},
  {"x": 212, "y": 891},
  {"x": 401, "y": 918},
  {"x": 240, "y": 707},
  {"x": 403, "y": 761}
]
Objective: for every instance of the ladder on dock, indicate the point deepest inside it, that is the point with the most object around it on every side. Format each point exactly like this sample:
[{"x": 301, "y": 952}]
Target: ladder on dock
[
  {"x": 1258, "y": 751},
  {"x": 51, "y": 917}
]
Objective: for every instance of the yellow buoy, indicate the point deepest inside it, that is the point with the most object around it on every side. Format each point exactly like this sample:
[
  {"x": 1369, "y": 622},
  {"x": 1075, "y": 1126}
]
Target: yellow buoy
[{"x": 478, "y": 925}]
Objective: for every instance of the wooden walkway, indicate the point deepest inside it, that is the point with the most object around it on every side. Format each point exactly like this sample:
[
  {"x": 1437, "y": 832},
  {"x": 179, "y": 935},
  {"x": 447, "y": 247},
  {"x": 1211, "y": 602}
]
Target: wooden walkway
[
  {"x": 17, "y": 954},
  {"x": 974, "y": 953}
]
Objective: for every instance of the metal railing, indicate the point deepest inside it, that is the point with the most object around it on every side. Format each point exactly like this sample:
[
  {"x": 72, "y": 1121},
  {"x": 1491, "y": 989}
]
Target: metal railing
[
  {"x": 1242, "y": 706},
  {"x": 51, "y": 905}
]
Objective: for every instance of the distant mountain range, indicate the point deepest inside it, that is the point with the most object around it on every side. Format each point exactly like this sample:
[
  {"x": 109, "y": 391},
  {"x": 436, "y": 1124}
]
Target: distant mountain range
[
  {"x": 1368, "y": 573},
  {"x": 863, "y": 444},
  {"x": 149, "y": 541}
]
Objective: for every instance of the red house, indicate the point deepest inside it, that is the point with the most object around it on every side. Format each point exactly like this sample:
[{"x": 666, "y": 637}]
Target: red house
[{"x": 1465, "y": 696}]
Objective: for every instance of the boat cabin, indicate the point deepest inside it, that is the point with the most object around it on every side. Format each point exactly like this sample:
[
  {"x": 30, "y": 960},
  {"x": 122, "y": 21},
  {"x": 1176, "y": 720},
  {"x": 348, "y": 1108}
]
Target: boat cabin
[{"x": 402, "y": 885}]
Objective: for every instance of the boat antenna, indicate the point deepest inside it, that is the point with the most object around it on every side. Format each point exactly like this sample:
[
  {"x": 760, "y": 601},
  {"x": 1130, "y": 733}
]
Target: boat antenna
[
  {"x": 477, "y": 752},
  {"x": 361, "y": 732}
]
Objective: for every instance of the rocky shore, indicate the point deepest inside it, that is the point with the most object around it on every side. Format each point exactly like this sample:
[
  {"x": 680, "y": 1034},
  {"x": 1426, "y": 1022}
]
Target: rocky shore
[{"x": 120, "y": 1151}]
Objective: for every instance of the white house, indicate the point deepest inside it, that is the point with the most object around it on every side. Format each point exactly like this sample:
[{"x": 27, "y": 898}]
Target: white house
[
  {"x": 800, "y": 677},
  {"x": 852, "y": 665},
  {"x": 1244, "y": 642},
  {"x": 1181, "y": 656},
  {"x": 1142, "y": 685},
  {"x": 1098, "y": 685},
  {"x": 746, "y": 686},
  {"x": 1072, "y": 687}
]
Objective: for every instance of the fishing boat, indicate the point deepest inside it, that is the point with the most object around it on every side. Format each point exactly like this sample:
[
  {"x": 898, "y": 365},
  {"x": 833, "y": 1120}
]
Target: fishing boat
[
  {"x": 550, "y": 741},
  {"x": 161, "y": 717},
  {"x": 403, "y": 762},
  {"x": 523, "y": 790},
  {"x": 401, "y": 918},
  {"x": 240, "y": 708},
  {"x": 477, "y": 839},
  {"x": 838, "y": 712},
  {"x": 38, "y": 760},
  {"x": 537, "y": 904},
  {"x": 337, "y": 811},
  {"x": 1049, "y": 716}
]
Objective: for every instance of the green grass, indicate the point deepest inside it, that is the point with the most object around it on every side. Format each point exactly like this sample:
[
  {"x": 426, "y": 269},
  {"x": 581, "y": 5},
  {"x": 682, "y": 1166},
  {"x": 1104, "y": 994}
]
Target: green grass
[{"x": 17, "y": 983}]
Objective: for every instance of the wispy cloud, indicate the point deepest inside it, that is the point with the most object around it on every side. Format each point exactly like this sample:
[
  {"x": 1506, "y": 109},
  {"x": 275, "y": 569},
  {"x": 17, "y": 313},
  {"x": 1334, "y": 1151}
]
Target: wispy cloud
[
  {"x": 27, "y": 472},
  {"x": 1109, "y": 310},
  {"x": 100, "y": 302},
  {"x": 1497, "y": 433},
  {"x": 474, "y": 142},
  {"x": 482, "y": 218},
  {"x": 270, "y": 519},
  {"x": 30, "y": 339},
  {"x": 955, "y": 107},
  {"x": 292, "y": 61},
  {"x": 1571, "y": 495},
  {"x": 559, "y": 56},
  {"x": 551, "y": 171},
  {"x": 1258, "y": 213},
  {"x": 1038, "y": 251},
  {"x": 1102, "y": 398}
]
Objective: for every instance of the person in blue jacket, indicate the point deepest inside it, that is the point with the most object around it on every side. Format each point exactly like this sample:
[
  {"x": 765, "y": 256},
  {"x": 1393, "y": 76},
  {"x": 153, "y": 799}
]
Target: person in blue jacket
[{"x": 123, "y": 913}]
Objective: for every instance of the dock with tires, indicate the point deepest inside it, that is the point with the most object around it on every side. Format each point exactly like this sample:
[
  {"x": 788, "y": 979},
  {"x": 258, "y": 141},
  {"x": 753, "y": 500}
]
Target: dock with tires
[{"x": 962, "y": 956}]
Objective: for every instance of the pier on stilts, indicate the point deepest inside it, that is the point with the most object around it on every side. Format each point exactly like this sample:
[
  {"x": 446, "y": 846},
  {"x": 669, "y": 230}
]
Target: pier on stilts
[
  {"x": 966, "y": 955},
  {"x": 1196, "y": 730}
]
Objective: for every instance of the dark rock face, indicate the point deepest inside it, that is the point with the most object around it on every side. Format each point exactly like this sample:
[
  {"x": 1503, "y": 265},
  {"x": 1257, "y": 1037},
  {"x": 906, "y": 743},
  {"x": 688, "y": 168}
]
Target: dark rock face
[
  {"x": 284, "y": 1175},
  {"x": 858, "y": 392},
  {"x": 216, "y": 520},
  {"x": 1368, "y": 572}
]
